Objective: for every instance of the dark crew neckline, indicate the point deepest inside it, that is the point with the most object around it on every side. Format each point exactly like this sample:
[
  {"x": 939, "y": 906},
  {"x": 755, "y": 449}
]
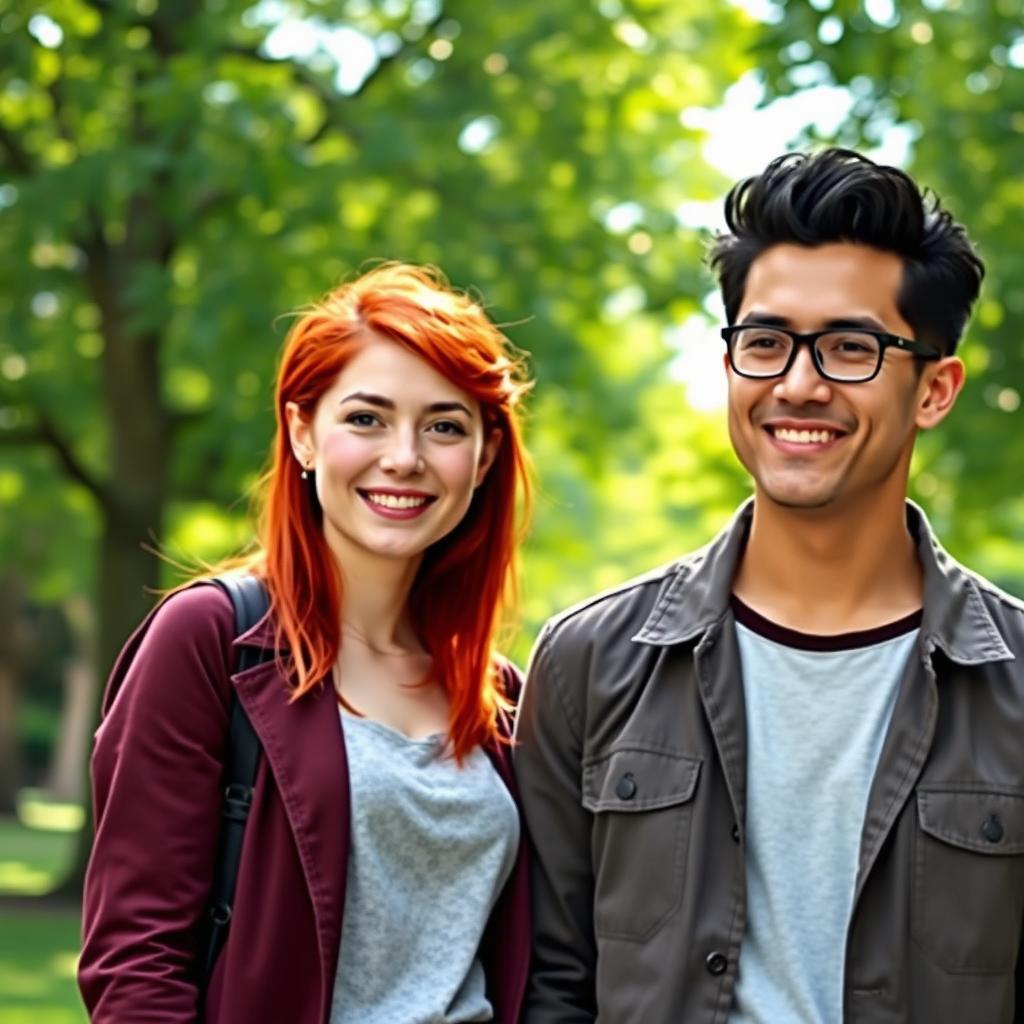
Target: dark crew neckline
[{"x": 757, "y": 623}]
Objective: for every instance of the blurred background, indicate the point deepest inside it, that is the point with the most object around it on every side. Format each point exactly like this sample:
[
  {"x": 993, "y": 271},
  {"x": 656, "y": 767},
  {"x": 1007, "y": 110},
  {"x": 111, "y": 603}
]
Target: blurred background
[{"x": 174, "y": 176}]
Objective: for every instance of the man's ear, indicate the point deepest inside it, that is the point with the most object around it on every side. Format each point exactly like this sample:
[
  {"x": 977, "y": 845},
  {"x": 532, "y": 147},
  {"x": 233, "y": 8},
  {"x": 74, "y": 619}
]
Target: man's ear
[
  {"x": 940, "y": 384},
  {"x": 488, "y": 454},
  {"x": 300, "y": 433}
]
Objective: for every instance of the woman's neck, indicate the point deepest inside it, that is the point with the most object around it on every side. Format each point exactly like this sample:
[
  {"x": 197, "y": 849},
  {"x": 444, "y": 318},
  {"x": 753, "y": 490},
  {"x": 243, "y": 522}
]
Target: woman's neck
[{"x": 375, "y": 598}]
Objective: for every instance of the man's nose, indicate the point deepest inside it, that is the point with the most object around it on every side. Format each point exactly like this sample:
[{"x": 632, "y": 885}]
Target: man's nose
[{"x": 802, "y": 382}]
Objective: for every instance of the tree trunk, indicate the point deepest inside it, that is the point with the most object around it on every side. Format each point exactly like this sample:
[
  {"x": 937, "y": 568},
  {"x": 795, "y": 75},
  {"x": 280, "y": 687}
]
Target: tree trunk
[
  {"x": 10, "y": 760},
  {"x": 128, "y": 578},
  {"x": 66, "y": 776},
  {"x": 12, "y": 644},
  {"x": 140, "y": 443}
]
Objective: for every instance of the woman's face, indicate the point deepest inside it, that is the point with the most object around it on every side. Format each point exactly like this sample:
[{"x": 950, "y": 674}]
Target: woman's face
[{"x": 398, "y": 451}]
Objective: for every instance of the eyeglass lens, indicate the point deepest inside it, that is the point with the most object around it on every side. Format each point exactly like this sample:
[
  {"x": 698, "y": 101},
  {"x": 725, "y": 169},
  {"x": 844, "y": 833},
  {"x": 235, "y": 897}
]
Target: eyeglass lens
[{"x": 844, "y": 355}]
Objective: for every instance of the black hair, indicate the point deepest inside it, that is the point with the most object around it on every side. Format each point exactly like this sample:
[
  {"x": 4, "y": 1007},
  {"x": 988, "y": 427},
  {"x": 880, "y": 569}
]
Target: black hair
[{"x": 838, "y": 195}]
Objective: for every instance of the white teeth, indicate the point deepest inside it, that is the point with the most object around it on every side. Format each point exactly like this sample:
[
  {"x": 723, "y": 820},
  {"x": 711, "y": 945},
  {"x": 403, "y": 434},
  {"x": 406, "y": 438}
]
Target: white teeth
[
  {"x": 396, "y": 501},
  {"x": 804, "y": 436}
]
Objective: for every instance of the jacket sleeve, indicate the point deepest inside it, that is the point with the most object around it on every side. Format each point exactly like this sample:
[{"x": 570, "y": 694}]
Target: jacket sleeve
[
  {"x": 156, "y": 770},
  {"x": 547, "y": 755}
]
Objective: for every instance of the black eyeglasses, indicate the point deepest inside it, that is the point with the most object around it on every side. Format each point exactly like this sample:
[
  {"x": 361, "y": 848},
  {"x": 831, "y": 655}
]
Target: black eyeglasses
[{"x": 845, "y": 355}]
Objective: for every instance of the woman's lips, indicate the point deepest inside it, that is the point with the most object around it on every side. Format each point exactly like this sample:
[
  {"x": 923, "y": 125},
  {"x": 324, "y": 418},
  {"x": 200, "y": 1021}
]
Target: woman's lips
[{"x": 396, "y": 504}]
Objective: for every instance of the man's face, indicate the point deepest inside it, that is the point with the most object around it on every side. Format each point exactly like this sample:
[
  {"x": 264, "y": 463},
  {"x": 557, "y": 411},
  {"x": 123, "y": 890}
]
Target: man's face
[{"x": 809, "y": 442}]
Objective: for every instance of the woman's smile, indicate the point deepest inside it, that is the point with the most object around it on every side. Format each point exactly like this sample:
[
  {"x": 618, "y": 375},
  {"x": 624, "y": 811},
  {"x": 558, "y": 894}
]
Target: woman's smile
[{"x": 396, "y": 504}]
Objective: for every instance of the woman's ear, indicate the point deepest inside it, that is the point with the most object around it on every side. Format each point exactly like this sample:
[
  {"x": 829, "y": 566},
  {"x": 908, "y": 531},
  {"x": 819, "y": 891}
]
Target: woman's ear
[
  {"x": 488, "y": 454},
  {"x": 941, "y": 382},
  {"x": 300, "y": 433}
]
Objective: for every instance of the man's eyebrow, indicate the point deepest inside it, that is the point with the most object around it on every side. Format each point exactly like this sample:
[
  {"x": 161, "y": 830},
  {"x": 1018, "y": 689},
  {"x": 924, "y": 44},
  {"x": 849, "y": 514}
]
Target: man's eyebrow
[
  {"x": 768, "y": 319},
  {"x": 868, "y": 323},
  {"x": 386, "y": 403},
  {"x": 865, "y": 323}
]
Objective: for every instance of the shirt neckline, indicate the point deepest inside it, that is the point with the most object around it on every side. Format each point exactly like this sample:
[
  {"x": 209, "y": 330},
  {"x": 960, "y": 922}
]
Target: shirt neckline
[
  {"x": 757, "y": 623},
  {"x": 430, "y": 739}
]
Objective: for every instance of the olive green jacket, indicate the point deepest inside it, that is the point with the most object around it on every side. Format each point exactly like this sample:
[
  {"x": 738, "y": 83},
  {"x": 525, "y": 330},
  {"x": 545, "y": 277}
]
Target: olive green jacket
[{"x": 631, "y": 759}]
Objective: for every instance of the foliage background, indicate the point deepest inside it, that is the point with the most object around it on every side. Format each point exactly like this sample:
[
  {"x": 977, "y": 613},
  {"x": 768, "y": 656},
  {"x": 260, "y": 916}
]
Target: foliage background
[{"x": 175, "y": 177}]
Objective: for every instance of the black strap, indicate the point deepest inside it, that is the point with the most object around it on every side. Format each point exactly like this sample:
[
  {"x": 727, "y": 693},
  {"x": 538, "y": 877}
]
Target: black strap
[{"x": 250, "y": 601}]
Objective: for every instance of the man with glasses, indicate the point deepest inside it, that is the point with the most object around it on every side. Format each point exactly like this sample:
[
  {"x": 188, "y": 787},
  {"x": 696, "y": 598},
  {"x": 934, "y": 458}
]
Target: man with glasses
[{"x": 781, "y": 781}]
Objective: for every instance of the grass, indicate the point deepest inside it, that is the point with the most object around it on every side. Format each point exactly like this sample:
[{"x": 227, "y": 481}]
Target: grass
[
  {"x": 38, "y": 947},
  {"x": 32, "y": 860},
  {"x": 38, "y": 950}
]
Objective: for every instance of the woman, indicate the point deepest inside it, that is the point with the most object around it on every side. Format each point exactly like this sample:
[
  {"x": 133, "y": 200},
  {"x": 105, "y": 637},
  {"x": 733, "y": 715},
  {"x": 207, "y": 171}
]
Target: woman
[{"x": 383, "y": 876}]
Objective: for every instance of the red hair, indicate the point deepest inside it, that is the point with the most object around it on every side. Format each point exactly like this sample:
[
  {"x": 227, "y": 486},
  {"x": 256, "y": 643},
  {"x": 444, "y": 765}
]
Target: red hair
[{"x": 415, "y": 307}]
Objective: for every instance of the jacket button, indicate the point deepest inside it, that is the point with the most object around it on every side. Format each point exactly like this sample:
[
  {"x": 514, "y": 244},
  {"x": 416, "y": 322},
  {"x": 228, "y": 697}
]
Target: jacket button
[
  {"x": 992, "y": 828},
  {"x": 735, "y": 833},
  {"x": 716, "y": 963},
  {"x": 625, "y": 788}
]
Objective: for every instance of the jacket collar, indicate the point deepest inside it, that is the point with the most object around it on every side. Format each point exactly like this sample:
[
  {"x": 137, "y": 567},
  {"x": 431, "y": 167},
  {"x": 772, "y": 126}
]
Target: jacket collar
[
  {"x": 955, "y": 619},
  {"x": 261, "y": 635}
]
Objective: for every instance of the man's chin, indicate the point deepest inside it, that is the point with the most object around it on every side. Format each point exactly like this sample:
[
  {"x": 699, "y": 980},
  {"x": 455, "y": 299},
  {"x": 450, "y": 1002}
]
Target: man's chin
[{"x": 796, "y": 498}]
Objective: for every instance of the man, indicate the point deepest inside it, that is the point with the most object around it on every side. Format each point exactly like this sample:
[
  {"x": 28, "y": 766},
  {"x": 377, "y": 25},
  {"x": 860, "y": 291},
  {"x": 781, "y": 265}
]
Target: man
[{"x": 781, "y": 781}]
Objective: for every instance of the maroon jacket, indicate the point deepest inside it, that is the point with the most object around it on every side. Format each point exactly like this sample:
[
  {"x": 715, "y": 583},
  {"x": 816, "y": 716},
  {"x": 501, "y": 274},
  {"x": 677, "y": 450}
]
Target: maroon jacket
[{"x": 156, "y": 773}]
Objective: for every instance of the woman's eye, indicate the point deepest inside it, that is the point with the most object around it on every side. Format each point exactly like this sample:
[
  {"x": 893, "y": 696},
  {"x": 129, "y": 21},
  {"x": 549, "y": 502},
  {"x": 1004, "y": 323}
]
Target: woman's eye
[
  {"x": 362, "y": 419},
  {"x": 448, "y": 427}
]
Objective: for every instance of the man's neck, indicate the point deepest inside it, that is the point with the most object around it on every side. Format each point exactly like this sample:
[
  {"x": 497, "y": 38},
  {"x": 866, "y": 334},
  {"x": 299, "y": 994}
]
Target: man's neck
[{"x": 830, "y": 571}]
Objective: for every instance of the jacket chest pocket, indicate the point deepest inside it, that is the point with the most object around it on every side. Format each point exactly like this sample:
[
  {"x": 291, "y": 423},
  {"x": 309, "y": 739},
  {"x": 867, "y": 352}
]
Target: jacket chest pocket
[
  {"x": 969, "y": 877},
  {"x": 642, "y": 802}
]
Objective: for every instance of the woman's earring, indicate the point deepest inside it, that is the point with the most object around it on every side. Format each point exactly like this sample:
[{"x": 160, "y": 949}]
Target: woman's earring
[{"x": 305, "y": 473}]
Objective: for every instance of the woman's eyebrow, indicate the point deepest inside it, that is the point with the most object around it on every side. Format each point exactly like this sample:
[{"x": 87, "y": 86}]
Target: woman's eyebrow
[
  {"x": 386, "y": 403},
  {"x": 448, "y": 407},
  {"x": 369, "y": 399}
]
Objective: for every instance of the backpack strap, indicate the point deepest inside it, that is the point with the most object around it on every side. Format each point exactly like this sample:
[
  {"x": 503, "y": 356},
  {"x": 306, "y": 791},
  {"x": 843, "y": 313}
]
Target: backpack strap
[{"x": 241, "y": 758}]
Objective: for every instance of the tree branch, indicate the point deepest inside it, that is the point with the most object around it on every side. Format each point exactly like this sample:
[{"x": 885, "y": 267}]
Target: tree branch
[
  {"x": 179, "y": 421},
  {"x": 329, "y": 97},
  {"x": 385, "y": 62},
  {"x": 303, "y": 76},
  {"x": 56, "y": 91},
  {"x": 46, "y": 433},
  {"x": 17, "y": 156},
  {"x": 208, "y": 202}
]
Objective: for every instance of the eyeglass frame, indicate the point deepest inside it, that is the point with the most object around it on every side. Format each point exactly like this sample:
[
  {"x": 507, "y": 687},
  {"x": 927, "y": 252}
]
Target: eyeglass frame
[{"x": 918, "y": 349}]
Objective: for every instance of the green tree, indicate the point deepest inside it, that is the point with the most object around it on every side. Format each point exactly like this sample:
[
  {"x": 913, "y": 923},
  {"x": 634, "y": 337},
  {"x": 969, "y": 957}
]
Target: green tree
[{"x": 174, "y": 175}]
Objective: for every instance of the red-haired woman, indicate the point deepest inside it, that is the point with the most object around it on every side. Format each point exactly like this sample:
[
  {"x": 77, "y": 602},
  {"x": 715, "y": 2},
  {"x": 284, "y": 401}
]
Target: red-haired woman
[{"x": 382, "y": 878}]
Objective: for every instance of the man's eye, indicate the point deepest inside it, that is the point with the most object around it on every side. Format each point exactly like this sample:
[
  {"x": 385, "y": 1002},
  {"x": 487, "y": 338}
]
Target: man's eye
[{"x": 762, "y": 341}]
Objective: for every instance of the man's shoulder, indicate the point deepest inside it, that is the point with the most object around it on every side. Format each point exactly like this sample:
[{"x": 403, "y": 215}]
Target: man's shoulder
[
  {"x": 988, "y": 619},
  {"x": 1005, "y": 608},
  {"x": 615, "y": 615}
]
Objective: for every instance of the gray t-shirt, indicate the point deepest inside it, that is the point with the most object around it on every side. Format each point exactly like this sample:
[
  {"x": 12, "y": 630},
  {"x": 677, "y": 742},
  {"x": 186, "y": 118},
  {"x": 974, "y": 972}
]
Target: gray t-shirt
[
  {"x": 432, "y": 846},
  {"x": 817, "y": 712}
]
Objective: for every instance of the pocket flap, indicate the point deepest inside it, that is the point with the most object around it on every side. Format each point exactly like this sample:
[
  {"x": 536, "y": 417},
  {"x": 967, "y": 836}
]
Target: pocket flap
[
  {"x": 638, "y": 779},
  {"x": 978, "y": 818}
]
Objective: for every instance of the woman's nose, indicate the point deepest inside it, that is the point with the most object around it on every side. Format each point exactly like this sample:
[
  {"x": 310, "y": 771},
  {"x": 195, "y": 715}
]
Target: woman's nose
[{"x": 402, "y": 456}]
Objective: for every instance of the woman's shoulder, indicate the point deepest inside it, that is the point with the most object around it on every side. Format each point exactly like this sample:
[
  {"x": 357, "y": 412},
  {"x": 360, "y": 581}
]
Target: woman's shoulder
[
  {"x": 200, "y": 613},
  {"x": 510, "y": 680},
  {"x": 511, "y": 677},
  {"x": 186, "y": 637}
]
